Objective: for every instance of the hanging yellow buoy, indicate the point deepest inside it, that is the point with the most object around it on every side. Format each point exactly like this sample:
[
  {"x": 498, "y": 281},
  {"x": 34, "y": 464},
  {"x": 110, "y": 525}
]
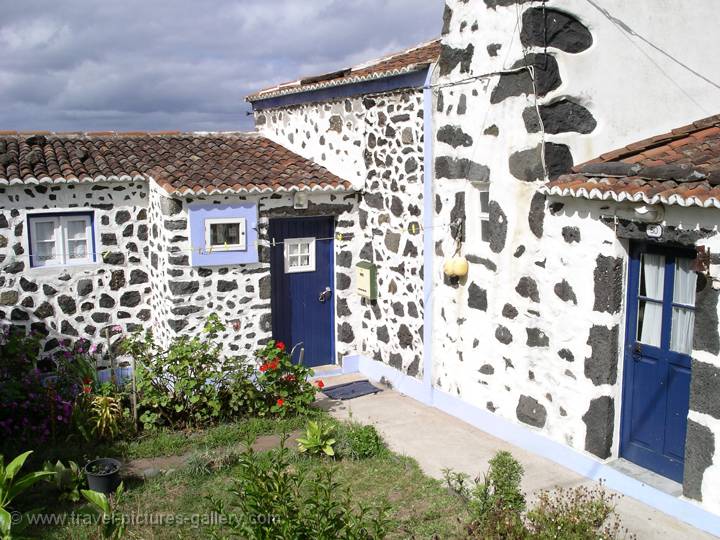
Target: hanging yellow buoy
[{"x": 456, "y": 266}]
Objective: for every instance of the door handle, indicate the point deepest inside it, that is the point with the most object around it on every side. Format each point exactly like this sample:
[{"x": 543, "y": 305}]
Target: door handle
[
  {"x": 637, "y": 349},
  {"x": 325, "y": 295}
]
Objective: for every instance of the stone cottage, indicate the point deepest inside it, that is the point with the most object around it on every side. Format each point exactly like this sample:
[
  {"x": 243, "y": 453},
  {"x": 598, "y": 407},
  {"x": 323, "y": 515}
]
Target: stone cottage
[
  {"x": 104, "y": 230},
  {"x": 586, "y": 326}
]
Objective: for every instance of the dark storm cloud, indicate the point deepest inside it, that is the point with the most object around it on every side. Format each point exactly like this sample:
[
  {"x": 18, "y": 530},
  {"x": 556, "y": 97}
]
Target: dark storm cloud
[{"x": 181, "y": 64}]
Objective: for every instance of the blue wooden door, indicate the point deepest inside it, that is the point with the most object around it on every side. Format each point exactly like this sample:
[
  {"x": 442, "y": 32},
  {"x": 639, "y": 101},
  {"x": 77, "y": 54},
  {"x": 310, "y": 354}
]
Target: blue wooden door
[
  {"x": 656, "y": 381},
  {"x": 301, "y": 261}
]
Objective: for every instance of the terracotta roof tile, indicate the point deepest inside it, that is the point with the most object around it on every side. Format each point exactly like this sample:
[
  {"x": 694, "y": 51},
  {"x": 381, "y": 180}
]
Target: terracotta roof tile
[
  {"x": 398, "y": 63},
  {"x": 689, "y": 158},
  {"x": 178, "y": 162}
]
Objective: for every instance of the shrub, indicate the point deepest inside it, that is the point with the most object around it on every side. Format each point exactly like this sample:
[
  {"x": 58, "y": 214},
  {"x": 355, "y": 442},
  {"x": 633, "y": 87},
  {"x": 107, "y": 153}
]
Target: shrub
[
  {"x": 579, "y": 513},
  {"x": 284, "y": 387},
  {"x": 186, "y": 384},
  {"x": 497, "y": 507},
  {"x": 357, "y": 441},
  {"x": 37, "y": 406},
  {"x": 497, "y": 503},
  {"x": 271, "y": 499}
]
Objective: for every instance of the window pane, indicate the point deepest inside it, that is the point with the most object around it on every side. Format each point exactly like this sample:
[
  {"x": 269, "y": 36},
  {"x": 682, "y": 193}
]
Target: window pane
[
  {"x": 293, "y": 249},
  {"x": 224, "y": 233},
  {"x": 652, "y": 276},
  {"x": 75, "y": 229},
  {"x": 485, "y": 231},
  {"x": 77, "y": 249},
  {"x": 484, "y": 201},
  {"x": 649, "y": 327},
  {"x": 681, "y": 337},
  {"x": 304, "y": 260},
  {"x": 44, "y": 251},
  {"x": 44, "y": 231},
  {"x": 685, "y": 282},
  {"x": 304, "y": 248}
]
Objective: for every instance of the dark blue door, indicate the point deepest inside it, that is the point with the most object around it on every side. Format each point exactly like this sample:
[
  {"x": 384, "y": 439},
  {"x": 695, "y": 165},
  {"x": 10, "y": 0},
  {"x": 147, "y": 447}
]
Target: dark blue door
[
  {"x": 656, "y": 382},
  {"x": 301, "y": 261}
]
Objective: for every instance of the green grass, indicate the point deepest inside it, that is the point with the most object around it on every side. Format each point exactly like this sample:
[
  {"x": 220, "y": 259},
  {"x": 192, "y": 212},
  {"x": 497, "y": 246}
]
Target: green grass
[{"x": 420, "y": 506}]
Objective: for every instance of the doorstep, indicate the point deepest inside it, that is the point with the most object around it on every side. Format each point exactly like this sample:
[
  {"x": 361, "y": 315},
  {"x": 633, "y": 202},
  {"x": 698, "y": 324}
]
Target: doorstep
[{"x": 648, "y": 477}]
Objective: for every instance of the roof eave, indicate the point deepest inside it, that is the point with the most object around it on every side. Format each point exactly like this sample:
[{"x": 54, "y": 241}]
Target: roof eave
[{"x": 298, "y": 89}]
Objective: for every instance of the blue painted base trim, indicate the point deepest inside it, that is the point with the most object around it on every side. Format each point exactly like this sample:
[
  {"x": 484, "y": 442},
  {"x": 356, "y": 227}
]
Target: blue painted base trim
[{"x": 681, "y": 509}]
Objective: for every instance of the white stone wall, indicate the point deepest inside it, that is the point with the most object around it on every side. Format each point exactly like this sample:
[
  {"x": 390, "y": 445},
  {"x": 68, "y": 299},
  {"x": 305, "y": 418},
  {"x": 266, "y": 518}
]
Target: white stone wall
[
  {"x": 376, "y": 142},
  {"x": 77, "y": 301},
  {"x": 524, "y": 334}
]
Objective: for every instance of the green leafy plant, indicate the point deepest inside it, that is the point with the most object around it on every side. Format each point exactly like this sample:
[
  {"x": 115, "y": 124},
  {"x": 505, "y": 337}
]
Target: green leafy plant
[
  {"x": 357, "y": 441},
  {"x": 318, "y": 439},
  {"x": 68, "y": 481},
  {"x": 271, "y": 500},
  {"x": 187, "y": 384},
  {"x": 11, "y": 486},
  {"x": 112, "y": 523},
  {"x": 98, "y": 413}
]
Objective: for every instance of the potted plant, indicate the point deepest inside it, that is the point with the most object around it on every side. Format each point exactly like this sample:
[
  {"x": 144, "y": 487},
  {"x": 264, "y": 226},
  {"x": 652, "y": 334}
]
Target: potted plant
[{"x": 103, "y": 475}]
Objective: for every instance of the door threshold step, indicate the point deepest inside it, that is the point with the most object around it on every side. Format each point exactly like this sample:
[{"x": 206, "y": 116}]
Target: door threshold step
[{"x": 648, "y": 477}]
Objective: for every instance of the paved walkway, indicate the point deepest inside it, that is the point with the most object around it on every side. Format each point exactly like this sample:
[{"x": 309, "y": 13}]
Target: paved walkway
[{"x": 437, "y": 440}]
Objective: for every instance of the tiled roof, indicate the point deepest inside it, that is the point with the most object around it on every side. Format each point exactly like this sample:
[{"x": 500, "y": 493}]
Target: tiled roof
[
  {"x": 399, "y": 63},
  {"x": 179, "y": 162},
  {"x": 681, "y": 167}
]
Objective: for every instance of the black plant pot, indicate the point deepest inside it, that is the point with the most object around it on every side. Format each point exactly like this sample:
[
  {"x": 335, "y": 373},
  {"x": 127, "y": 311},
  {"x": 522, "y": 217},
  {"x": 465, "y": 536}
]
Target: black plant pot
[{"x": 103, "y": 475}]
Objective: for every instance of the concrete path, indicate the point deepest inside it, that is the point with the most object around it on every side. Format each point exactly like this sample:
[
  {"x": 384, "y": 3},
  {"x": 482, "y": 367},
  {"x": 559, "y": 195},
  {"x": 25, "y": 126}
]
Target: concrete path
[{"x": 437, "y": 441}]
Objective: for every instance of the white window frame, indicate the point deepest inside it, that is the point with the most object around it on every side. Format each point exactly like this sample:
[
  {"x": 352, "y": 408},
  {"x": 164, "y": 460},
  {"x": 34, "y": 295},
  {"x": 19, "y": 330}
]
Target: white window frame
[
  {"x": 241, "y": 246},
  {"x": 61, "y": 239},
  {"x": 310, "y": 267}
]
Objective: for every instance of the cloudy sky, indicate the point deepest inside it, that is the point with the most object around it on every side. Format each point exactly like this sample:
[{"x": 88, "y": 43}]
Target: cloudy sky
[{"x": 77, "y": 65}]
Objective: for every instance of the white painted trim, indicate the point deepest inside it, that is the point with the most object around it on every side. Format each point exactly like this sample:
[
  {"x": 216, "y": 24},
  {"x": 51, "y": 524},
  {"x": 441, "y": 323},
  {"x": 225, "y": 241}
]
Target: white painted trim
[
  {"x": 310, "y": 267},
  {"x": 241, "y": 246},
  {"x": 61, "y": 240},
  {"x": 596, "y": 194}
]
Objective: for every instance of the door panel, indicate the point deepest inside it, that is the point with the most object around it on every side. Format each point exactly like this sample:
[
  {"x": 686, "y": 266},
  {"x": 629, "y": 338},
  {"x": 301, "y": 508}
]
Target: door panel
[
  {"x": 301, "y": 262},
  {"x": 656, "y": 382}
]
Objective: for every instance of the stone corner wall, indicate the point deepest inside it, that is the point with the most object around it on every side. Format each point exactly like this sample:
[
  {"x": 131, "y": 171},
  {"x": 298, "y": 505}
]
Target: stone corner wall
[{"x": 85, "y": 302}]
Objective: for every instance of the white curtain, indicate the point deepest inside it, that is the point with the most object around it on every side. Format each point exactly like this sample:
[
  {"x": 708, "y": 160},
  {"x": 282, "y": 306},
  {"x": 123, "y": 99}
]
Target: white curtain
[
  {"x": 683, "y": 319},
  {"x": 653, "y": 269}
]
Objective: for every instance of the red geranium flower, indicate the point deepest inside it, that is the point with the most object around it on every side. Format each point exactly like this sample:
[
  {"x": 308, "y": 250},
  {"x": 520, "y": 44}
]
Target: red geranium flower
[
  {"x": 290, "y": 377},
  {"x": 320, "y": 383},
  {"x": 264, "y": 368},
  {"x": 280, "y": 345},
  {"x": 273, "y": 365},
  {"x": 280, "y": 402}
]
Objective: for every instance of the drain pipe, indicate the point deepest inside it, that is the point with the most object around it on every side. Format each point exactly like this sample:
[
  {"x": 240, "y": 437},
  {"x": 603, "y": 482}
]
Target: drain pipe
[{"x": 428, "y": 248}]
